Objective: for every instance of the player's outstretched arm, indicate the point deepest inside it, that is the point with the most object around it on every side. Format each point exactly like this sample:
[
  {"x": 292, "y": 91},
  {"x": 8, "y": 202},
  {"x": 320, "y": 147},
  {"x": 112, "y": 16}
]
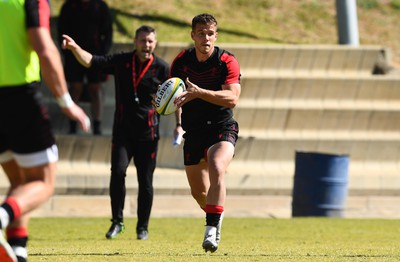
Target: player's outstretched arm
[
  {"x": 53, "y": 74},
  {"x": 83, "y": 56}
]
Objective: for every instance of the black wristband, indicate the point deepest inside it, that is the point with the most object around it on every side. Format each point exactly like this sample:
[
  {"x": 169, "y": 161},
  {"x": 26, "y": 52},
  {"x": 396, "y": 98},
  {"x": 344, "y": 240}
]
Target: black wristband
[{"x": 178, "y": 124}]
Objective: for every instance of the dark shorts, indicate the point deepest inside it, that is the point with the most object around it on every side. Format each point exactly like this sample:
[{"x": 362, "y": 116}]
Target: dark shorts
[
  {"x": 24, "y": 120},
  {"x": 197, "y": 144},
  {"x": 75, "y": 72}
]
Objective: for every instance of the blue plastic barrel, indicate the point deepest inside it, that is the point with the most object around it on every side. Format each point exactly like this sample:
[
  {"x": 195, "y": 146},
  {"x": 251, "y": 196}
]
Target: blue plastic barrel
[{"x": 320, "y": 184}]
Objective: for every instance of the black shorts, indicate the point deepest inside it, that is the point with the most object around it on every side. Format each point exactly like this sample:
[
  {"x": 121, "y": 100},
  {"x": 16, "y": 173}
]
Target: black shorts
[
  {"x": 75, "y": 72},
  {"x": 24, "y": 120},
  {"x": 197, "y": 144}
]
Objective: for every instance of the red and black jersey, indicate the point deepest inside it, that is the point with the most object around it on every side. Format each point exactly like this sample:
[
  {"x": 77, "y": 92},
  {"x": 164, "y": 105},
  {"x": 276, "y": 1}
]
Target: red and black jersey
[
  {"x": 134, "y": 113},
  {"x": 37, "y": 14},
  {"x": 219, "y": 69}
]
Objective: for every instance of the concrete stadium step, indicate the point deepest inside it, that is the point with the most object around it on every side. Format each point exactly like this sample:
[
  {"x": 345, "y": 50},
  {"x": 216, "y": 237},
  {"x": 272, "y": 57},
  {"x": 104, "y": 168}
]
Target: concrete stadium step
[
  {"x": 85, "y": 154},
  {"x": 372, "y": 100},
  {"x": 276, "y": 60},
  {"x": 259, "y": 167},
  {"x": 312, "y": 91},
  {"x": 338, "y": 123},
  {"x": 305, "y": 59},
  {"x": 268, "y": 150}
]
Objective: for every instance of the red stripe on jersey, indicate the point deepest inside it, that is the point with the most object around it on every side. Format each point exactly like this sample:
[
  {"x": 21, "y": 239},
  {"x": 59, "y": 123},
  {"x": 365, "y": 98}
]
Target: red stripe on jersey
[
  {"x": 173, "y": 62},
  {"x": 44, "y": 13},
  {"x": 232, "y": 64}
]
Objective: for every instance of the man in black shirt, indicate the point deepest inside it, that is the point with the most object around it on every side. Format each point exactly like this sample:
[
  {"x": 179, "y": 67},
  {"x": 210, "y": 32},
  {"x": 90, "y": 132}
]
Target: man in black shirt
[
  {"x": 89, "y": 22},
  {"x": 136, "y": 124}
]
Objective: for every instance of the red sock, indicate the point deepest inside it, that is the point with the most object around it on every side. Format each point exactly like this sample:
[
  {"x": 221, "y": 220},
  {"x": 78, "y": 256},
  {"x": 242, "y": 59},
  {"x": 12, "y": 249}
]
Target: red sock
[
  {"x": 17, "y": 237},
  {"x": 213, "y": 214},
  {"x": 15, "y": 208},
  {"x": 17, "y": 232},
  {"x": 214, "y": 209}
]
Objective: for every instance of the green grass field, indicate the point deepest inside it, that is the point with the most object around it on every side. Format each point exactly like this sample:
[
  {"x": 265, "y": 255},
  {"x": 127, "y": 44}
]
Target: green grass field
[{"x": 243, "y": 239}]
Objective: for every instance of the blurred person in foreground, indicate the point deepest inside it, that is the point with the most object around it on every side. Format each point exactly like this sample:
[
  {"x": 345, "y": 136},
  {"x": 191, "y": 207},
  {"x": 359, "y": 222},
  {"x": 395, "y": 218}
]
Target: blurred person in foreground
[
  {"x": 89, "y": 22},
  {"x": 212, "y": 77},
  {"x": 28, "y": 153},
  {"x": 135, "y": 134}
]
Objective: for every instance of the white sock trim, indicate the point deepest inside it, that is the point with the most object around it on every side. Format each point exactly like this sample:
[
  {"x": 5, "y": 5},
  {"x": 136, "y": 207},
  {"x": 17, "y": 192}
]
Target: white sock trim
[
  {"x": 210, "y": 230},
  {"x": 4, "y": 218},
  {"x": 20, "y": 251}
]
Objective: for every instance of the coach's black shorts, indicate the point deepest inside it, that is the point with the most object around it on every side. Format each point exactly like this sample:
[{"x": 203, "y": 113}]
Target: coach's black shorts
[
  {"x": 197, "y": 144},
  {"x": 24, "y": 120},
  {"x": 75, "y": 72}
]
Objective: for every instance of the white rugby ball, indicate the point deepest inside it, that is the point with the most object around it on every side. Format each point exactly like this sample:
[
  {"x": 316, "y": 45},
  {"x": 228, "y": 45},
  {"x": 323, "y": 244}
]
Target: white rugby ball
[{"x": 166, "y": 94}]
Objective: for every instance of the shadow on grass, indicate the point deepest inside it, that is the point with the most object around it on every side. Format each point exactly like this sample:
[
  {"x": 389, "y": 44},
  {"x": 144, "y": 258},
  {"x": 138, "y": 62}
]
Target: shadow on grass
[
  {"x": 118, "y": 16},
  {"x": 117, "y": 13}
]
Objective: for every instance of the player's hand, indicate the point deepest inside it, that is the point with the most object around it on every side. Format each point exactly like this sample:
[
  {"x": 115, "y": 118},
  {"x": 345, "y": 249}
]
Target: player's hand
[
  {"x": 76, "y": 113},
  {"x": 190, "y": 93},
  {"x": 68, "y": 42}
]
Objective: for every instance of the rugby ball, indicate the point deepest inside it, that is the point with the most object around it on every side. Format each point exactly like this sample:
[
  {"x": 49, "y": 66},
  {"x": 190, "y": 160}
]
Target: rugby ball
[{"x": 166, "y": 93}]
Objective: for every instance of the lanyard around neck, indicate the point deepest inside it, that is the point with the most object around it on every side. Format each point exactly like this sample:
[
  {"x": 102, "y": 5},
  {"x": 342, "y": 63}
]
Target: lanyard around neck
[{"x": 136, "y": 81}]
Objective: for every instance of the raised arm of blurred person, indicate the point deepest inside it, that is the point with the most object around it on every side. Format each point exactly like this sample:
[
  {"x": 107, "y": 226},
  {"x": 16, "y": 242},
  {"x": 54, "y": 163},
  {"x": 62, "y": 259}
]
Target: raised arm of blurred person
[{"x": 53, "y": 74}]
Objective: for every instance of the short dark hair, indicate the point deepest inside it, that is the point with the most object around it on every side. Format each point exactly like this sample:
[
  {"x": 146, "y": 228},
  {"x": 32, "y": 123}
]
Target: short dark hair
[
  {"x": 203, "y": 19},
  {"x": 144, "y": 28}
]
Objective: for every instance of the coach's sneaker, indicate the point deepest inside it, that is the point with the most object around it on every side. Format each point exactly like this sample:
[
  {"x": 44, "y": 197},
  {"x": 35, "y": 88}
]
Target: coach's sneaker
[
  {"x": 142, "y": 234},
  {"x": 210, "y": 243},
  {"x": 6, "y": 252},
  {"x": 219, "y": 226},
  {"x": 115, "y": 229}
]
